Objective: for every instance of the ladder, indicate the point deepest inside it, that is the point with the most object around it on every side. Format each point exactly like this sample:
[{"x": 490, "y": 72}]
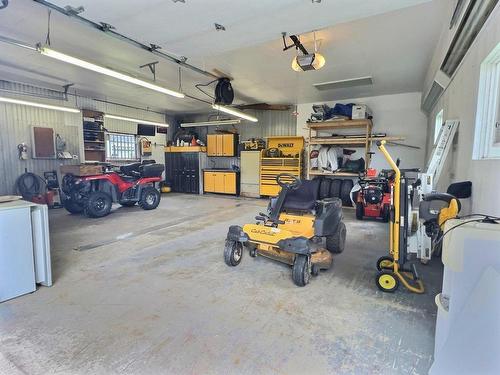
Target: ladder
[{"x": 440, "y": 151}]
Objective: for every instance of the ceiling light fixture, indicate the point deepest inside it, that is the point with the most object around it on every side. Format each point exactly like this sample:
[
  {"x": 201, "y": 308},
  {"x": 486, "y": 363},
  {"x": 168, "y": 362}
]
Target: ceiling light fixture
[
  {"x": 39, "y": 105},
  {"x": 234, "y": 112},
  {"x": 137, "y": 121},
  {"x": 210, "y": 123},
  {"x": 109, "y": 72}
]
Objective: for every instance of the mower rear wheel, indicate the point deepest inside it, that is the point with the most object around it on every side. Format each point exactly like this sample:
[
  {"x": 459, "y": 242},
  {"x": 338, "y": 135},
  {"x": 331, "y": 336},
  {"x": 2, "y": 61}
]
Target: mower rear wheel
[
  {"x": 360, "y": 211},
  {"x": 150, "y": 198},
  {"x": 72, "y": 207},
  {"x": 98, "y": 204},
  {"x": 233, "y": 252},
  {"x": 335, "y": 244},
  {"x": 345, "y": 192},
  {"x": 387, "y": 281},
  {"x": 300, "y": 270},
  {"x": 386, "y": 213},
  {"x": 385, "y": 263}
]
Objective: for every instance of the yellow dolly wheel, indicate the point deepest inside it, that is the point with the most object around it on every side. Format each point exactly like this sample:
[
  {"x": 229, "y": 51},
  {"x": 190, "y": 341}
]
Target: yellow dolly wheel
[
  {"x": 385, "y": 263},
  {"x": 387, "y": 281}
]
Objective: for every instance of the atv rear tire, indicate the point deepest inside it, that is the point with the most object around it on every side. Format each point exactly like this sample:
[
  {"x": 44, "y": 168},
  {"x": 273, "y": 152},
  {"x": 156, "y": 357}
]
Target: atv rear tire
[
  {"x": 98, "y": 204},
  {"x": 233, "y": 253},
  {"x": 150, "y": 198},
  {"x": 345, "y": 192},
  {"x": 73, "y": 207},
  {"x": 335, "y": 244},
  {"x": 360, "y": 211},
  {"x": 300, "y": 270}
]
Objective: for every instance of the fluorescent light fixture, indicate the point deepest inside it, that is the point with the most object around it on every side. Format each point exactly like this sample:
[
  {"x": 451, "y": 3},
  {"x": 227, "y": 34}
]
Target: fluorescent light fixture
[
  {"x": 137, "y": 121},
  {"x": 109, "y": 72},
  {"x": 234, "y": 112},
  {"x": 210, "y": 123},
  {"x": 39, "y": 105}
]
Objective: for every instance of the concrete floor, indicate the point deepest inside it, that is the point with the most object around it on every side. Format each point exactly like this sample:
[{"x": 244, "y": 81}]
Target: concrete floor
[{"x": 147, "y": 292}]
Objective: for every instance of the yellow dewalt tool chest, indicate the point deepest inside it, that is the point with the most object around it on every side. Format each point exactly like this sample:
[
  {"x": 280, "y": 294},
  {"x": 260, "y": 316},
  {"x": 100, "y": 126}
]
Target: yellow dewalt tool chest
[{"x": 282, "y": 155}]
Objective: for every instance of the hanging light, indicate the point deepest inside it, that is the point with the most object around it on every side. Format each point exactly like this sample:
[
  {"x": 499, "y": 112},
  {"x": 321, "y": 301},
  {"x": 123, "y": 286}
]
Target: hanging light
[
  {"x": 39, "y": 105},
  {"x": 234, "y": 112},
  {"x": 137, "y": 121},
  {"x": 211, "y": 123},
  {"x": 106, "y": 71}
]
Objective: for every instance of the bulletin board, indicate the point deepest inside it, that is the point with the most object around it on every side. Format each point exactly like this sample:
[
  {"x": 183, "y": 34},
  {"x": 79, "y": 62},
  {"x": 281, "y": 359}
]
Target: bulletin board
[{"x": 43, "y": 143}]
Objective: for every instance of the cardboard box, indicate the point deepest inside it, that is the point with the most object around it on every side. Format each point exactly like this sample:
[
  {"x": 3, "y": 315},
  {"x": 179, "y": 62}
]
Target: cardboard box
[
  {"x": 360, "y": 111},
  {"x": 82, "y": 169}
]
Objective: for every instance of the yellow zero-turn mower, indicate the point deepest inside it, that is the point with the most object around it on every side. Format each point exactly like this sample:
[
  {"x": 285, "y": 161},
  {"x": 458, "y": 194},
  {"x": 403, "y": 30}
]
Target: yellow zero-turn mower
[
  {"x": 298, "y": 230},
  {"x": 434, "y": 210}
]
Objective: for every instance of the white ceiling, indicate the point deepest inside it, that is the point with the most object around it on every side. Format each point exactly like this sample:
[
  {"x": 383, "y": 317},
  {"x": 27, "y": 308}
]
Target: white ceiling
[{"x": 391, "y": 40}]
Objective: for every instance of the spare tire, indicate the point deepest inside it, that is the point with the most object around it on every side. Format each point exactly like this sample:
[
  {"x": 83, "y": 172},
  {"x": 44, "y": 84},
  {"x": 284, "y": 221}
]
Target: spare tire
[
  {"x": 324, "y": 188},
  {"x": 345, "y": 192},
  {"x": 335, "y": 188}
]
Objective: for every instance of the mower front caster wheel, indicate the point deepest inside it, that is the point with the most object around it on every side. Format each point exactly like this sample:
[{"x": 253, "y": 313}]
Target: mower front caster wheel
[
  {"x": 387, "y": 281},
  {"x": 385, "y": 263},
  {"x": 233, "y": 252},
  {"x": 300, "y": 271}
]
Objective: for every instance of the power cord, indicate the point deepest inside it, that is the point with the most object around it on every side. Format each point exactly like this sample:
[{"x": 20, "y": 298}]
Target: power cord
[{"x": 484, "y": 219}]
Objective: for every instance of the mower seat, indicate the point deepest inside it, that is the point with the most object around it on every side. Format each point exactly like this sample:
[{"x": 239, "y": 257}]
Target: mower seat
[{"x": 304, "y": 198}]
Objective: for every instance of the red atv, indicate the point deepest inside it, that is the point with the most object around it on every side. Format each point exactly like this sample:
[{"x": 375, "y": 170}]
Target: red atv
[
  {"x": 374, "y": 198},
  {"x": 127, "y": 185}
]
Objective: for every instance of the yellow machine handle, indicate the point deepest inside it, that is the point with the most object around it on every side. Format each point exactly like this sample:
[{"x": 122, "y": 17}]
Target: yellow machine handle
[{"x": 394, "y": 225}]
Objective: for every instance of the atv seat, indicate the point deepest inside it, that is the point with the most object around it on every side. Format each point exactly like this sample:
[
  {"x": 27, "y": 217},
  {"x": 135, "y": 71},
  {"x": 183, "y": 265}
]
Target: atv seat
[{"x": 131, "y": 169}]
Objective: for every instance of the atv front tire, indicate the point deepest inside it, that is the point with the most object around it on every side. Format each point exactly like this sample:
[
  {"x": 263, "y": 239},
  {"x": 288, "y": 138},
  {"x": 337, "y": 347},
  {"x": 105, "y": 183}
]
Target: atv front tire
[
  {"x": 98, "y": 204},
  {"x": 72, "y": 207},
  {"x": 150, "y": 198},
  {"x": 335, "y": 243}
]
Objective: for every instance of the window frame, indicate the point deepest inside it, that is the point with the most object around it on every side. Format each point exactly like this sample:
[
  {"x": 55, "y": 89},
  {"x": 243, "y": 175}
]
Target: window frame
[
  {"x": 488, "y": 108},
  {"x": 126, "y": 155},
  {"x": 438, "y": 125}
]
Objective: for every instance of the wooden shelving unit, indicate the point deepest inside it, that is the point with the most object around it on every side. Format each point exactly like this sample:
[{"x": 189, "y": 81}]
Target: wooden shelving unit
[
  {"x": 365, "y": 141},
  {"x": 93, "y": 136},
  {"x": 339, "y": 124}
]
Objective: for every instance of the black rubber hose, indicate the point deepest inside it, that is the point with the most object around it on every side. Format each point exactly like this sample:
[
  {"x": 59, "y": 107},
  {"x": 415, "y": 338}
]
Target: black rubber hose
[{"x": 29, "y": 185}]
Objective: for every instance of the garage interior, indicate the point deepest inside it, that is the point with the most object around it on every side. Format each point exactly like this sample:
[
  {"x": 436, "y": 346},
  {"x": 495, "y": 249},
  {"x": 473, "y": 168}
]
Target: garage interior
[{"x": 264, "y": 187}]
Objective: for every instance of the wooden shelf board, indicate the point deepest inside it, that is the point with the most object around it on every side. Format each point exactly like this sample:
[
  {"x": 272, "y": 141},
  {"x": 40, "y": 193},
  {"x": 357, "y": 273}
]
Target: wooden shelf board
[
  {"x": 339, "y": 124},
  {"x": 335, "y": 174},
  {"x": 351, "y": 141}
]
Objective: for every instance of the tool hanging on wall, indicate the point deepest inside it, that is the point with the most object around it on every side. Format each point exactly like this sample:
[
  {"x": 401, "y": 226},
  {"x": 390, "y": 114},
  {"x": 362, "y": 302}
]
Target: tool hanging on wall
[
  {"x": 22, "y": 151},
  {"x": 146, "y": 148}
]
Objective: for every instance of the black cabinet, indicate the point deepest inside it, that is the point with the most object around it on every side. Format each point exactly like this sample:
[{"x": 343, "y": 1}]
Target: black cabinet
[{"x": 182, "y": 171}]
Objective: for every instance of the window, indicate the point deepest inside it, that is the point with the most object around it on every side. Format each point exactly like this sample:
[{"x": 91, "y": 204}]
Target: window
[
  {"x": 121, "y": 146},
  {"x": 487, "y": 131},
  {"x": 438, "y": 124}
]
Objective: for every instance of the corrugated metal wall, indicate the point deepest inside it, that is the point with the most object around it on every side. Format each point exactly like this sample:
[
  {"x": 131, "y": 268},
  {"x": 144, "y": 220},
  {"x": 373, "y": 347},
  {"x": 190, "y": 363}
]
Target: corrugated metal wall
[
  {"x": 16, "y": 122},
  {"x": 271, "y": 123}
]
